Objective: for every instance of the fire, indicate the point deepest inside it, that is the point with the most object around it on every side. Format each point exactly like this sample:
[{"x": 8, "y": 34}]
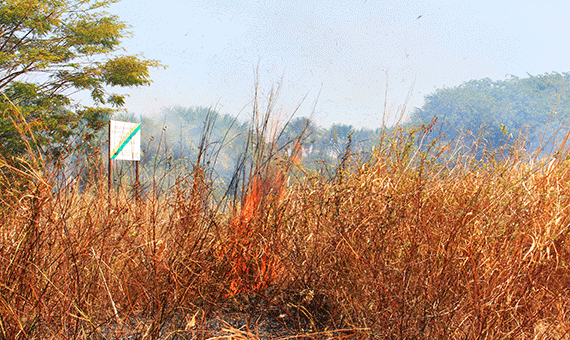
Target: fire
[{"x": 254, "y": 265}]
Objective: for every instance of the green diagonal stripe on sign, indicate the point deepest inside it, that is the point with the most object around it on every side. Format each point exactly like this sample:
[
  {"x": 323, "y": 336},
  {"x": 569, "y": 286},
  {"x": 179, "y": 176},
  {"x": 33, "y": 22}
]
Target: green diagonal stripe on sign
[{"x": 125, "y": 141}]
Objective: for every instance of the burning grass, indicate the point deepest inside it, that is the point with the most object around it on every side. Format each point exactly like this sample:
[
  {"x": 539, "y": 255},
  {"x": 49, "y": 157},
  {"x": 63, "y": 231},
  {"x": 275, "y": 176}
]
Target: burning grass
[{"x": 410, "y": 242}]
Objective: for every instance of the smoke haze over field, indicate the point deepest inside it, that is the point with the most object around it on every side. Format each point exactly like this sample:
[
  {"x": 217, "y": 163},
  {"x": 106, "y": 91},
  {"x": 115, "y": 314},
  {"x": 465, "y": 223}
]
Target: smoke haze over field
[{"x": 340, "y": 54}]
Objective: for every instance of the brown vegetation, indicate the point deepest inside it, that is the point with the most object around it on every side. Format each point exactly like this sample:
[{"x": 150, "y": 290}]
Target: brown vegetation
[{"x": 409, "y": 242}]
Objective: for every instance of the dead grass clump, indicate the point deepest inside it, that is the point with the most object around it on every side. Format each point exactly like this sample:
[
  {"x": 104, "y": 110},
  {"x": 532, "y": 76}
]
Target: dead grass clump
[
  {"x": 413, "y": 241},
  {"x": 408, "y": 247}
]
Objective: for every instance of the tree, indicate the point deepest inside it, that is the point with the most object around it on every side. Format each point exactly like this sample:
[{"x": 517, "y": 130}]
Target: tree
[
  {"x": 537, "y": 108},
  {"x": 50, "y": 49}
]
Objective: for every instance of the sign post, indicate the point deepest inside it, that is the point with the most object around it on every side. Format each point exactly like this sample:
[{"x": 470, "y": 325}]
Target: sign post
[{"x": 124, "y": 144}]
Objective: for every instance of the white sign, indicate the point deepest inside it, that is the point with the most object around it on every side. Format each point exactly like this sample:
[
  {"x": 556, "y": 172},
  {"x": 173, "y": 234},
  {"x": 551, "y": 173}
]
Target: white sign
[{"x": 125, "y": 141}]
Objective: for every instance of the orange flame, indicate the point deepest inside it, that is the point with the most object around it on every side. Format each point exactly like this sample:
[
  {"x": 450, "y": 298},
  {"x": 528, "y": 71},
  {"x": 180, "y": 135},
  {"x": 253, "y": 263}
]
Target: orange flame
[{"x": 252, "y": 266}]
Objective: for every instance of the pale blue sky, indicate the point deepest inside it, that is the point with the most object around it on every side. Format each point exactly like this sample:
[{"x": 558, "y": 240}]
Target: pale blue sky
[{"x": 346, "y": 50}]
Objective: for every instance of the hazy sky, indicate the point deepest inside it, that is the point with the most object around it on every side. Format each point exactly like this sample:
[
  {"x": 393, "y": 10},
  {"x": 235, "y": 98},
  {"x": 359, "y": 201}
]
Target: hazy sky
[{"x": 339, "y": 54}]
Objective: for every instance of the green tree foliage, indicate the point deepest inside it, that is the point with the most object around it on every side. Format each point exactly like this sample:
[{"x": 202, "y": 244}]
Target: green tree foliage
[
  {"x": 50, "y": 49},
  {"x": 498, "y": 112},
  {"x": 179, "y": 131},
  {"x": 327, "y": 145},
  {"x": 172, "y": 140}
]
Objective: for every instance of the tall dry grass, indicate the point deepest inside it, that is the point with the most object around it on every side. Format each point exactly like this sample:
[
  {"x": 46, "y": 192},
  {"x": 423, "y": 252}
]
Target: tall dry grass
[{"x": 412, "y": 241}]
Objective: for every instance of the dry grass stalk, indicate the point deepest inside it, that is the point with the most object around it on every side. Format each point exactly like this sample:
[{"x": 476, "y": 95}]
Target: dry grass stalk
[{"x": 413, "y": 242}]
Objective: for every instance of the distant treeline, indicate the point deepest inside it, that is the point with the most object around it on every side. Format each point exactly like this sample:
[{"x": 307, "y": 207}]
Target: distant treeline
[
  {"x": 173, "y": 140},
  {"x": 535, "y": 110},
  {"x": 493, "y": 114}
]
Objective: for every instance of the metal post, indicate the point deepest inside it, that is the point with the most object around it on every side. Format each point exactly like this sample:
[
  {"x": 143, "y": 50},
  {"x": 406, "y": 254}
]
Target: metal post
[
  {"x": 137, "y": 191},
  {"x": 137, "y": 183},
  {"x": 110, "y": 173}
]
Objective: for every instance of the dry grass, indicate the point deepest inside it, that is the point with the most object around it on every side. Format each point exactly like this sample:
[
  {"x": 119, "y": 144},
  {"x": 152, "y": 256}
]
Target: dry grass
[{"x": 413, "y": 242}]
